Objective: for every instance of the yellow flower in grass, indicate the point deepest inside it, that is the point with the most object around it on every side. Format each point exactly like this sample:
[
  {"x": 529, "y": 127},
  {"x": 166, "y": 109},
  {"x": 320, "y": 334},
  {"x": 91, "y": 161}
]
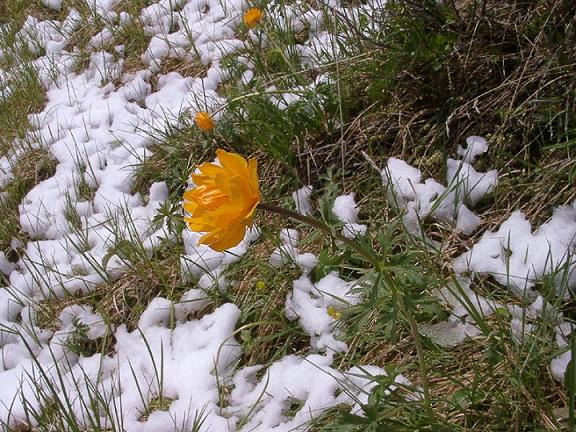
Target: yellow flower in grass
[
  {"x": 224, "y": 200},
  {"x": 252, "y": 17},
  {"x": 334, "y": 313},
  {"x": 204, "y": 121}
]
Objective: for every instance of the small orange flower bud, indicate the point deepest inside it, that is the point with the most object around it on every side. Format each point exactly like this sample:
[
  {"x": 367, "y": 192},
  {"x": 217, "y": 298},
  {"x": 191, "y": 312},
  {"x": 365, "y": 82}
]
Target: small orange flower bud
[
  {"x": 252, "y": 17},
  {"x": 204, "y": 121}
]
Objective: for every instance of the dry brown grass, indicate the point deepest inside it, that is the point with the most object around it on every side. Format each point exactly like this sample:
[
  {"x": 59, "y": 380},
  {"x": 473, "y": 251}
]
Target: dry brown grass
[
  {"x": 34, "y": 166},
  {"x": 508, "y": 76},
  {"x": 123, "y": 300}
]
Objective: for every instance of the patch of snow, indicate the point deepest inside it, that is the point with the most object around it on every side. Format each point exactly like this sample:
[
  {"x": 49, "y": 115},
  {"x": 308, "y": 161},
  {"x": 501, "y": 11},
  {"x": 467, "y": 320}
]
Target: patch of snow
[
  {"x": 346, "y": 210},
  {"x": 472, "y": 186},
  {"x": 559, "y": 364},
  {"x": 309, "y": 303},
  {"x": 431, "y": 199},
  {"x": 302, "y": 200},
  {"x": 464, "y": 302},
  {"x": 101, "y": 39},
  {"x": 517, "y": 258},
  {"x": 6, "y": 267},
  {"x": 84, "y": 315},
  {"x": 475, "y": 146},
  {"x": 288, "y": 252},
  {"x": 206, "y": 265},
  {"x": 52, "y": 4},
  {"x": 309, "y": 381}
]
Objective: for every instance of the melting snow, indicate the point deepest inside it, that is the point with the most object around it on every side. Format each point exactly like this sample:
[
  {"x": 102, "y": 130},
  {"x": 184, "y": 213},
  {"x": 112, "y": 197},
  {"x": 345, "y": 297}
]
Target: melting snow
[
  {"x": 98, "y": 125},
  {"x": 346, "y": 211},
  {"x": 517, "y": 258},
  {"x": 422, "y": 199}
]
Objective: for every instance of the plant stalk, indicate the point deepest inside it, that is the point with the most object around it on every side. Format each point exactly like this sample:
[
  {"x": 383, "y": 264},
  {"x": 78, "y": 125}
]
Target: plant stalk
[
  {"x": 373, "y": 259},
  {"x": 389, "y": 281}
]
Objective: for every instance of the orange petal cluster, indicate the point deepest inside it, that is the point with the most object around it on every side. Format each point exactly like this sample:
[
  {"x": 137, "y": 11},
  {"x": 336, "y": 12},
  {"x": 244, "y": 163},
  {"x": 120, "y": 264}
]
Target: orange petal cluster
[
  {"x": 204, "y": 121},
  {"x": 252, "y": 17},
  {"x": 224, "y": 200}
]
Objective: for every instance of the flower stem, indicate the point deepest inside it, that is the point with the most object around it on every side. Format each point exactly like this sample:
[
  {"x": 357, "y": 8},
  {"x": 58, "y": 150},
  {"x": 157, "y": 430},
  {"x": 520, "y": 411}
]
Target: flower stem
[
  {"x": 386, "y": 277},
  {"x": 372, "y": 258}
]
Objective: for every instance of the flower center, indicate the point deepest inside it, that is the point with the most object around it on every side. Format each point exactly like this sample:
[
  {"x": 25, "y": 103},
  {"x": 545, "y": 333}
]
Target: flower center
[{"x": 210, "y": 196}]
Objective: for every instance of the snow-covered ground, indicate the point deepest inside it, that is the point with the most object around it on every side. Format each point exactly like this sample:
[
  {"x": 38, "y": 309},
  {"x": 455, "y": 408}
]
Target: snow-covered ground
[
  {"x": 98, "y": 124},
  {"x": 514, "y": 256}
]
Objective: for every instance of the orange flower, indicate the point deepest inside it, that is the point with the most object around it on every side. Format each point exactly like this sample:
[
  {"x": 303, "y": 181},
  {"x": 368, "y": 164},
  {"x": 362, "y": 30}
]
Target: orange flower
[
  {"x": 252, "y": 17},
  {"x": 204, "y": 121},
  {"x": 224, "y": 200}
]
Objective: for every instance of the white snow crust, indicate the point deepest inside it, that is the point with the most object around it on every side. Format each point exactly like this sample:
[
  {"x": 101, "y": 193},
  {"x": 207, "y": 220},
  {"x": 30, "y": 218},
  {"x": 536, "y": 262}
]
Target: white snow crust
[
  {"x": 346, "y": 211},
  {"x": 98, "y": 124},
  {"x": 302, "y": 202},
  {"x": 423, "y": 199},
  {"x": 514, "y": 255}
]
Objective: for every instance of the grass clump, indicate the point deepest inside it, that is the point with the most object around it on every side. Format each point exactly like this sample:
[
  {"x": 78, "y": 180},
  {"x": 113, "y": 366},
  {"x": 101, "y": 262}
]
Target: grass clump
[
  {"x": 438, "y": 74},
  {"x": 18, "y": 98},
  {"x": 31, "y": 168},
  {"x": 260, "y": 294}
]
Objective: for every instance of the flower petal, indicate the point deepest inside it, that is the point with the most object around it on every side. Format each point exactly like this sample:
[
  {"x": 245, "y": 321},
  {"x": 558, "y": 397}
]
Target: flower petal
[
  {"x": 224, "y": 239},
  {"x": 232, "y": 162}
]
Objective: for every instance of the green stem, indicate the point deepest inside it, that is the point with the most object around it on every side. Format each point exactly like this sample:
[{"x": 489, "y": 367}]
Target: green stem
[
  {"x": 388, "y": 280},
  {"x": 373, "y": 259},
  {"x": 419, "y": 351}
]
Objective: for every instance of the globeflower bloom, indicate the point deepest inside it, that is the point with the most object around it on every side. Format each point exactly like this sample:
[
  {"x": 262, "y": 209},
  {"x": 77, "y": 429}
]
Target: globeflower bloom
[
  {"x": 204, "y": 121},
  {"x": 224, "y": 200},
  {"x": 252, "y": 17}
]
